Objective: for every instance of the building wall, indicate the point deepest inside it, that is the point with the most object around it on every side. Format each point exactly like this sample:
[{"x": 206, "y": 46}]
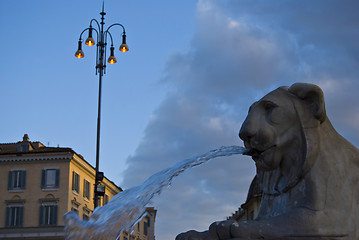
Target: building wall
[
  {"x": 86, "y": 172},
  {"x": 251, "y": 209},
  {"x": 34, "y": 158},
  {"x": 33, "y": 191},
  {"x": 144, "y": 229}
]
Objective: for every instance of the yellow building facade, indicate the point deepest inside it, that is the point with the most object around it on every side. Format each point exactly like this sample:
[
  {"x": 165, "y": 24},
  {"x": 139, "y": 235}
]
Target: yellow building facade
[
  {"x": 250, "y": 209},
  {"x": 39, "y": 184}
]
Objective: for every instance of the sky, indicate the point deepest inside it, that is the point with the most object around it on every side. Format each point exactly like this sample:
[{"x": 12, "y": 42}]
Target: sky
[{"x": 184, "y": 88}]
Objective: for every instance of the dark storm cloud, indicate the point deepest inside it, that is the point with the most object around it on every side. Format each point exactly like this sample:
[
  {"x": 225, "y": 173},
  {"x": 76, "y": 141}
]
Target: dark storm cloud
[{"x": 240, "y": 51}]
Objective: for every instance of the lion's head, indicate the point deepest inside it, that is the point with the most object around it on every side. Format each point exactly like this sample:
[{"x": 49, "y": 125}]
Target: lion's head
[{"x": 280, "y": 130}]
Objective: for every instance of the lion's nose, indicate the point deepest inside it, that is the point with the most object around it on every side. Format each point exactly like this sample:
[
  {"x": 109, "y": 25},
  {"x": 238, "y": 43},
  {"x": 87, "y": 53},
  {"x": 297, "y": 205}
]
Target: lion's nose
[
  {"x": 245, "y": 133},
  {"x": 248, "y": 131},
  {"x": 245, "y": 136}
]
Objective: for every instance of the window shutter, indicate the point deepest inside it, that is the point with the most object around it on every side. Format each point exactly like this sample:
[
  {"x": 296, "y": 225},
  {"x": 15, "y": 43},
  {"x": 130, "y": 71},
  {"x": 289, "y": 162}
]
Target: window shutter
[
  {"x": 43, "y": 178},
  {"x": 73, "y": 180},
  {"x": 54, "y": 220},
  {"x": 9, "y": 183},
  {"x": 21, "y": 216},
  {"x": 7, "y": 224},
  {"x": 41, "y": 216},
  {"x": 89, "y": 190},
  {"x": 57, "y": 180},
  {"x": 78, "y": 183},
  {"x": 23, "y": 179},
  {"x": 145, "y": 228}
]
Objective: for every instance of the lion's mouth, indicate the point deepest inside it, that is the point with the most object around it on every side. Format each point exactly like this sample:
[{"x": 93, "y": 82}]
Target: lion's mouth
[{"x": 255, "y": 153}]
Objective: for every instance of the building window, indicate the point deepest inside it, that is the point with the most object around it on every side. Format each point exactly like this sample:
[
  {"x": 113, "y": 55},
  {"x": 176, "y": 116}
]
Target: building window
[
  {"x": 85, "y": 217},
  {"x": 75, "y": 208},
  {"x": 251, "y": 215},
  {"x": 87, "y": 189},
  {"x": 145, "y": 226},
  {"x": 48, "y": 215},
  {"x": 105, "y": 199},
  {"x": 14, "y": 216},
  {"x": 23, "y": 148},
  {"x": 86, "y": 214},
  {"x": 75, "y": 182},
  {"x": 17, "y": 180},
  {"x": 50, "y": 178}
]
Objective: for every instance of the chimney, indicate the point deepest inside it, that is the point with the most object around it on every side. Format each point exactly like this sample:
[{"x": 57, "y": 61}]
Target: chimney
[{"x": 25, "y": 138}]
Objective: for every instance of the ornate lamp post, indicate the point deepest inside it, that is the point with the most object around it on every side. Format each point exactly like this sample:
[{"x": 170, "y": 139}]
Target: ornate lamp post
[{"x": 101, "y": 36}]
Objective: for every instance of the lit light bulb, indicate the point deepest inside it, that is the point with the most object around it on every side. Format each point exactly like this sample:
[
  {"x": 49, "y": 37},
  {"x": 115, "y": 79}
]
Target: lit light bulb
[
  {"x": 112, "y": 59},
  {"x": 124, "y": 47},
  {"x": 79, "y": 53},
  {"x": 90, "y": 41}
]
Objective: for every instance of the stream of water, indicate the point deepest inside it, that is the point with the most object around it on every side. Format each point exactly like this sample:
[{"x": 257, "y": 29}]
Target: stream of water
[{"x": 127, "y": 207}]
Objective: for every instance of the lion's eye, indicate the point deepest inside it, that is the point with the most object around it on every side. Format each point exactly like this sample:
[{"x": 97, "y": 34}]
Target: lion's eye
[
  {"x": 274, "y": 113},
  {"x": 269, "y": 106}
]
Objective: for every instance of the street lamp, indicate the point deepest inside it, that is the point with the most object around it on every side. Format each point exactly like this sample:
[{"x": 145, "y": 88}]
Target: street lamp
[{"x": 102, "y": 35}]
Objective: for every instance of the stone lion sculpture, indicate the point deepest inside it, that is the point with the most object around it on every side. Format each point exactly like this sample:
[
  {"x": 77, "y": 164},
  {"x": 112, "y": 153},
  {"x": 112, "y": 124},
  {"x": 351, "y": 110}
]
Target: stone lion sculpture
[{"x": 308, "y": 173}]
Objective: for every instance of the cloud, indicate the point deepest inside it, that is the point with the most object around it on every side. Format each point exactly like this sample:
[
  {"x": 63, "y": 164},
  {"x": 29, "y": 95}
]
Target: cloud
[{"x": 240, "y": 51}]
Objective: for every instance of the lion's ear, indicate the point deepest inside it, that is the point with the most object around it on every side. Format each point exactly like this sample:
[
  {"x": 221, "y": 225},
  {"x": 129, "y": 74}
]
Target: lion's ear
[{"x": 313, "y": 95}]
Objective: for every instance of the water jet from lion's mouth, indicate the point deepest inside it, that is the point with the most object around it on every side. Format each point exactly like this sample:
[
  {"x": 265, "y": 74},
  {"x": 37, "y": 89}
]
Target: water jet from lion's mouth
[
  {"x": 252, "y": 152},
  {"x": 127, "y": 207}
]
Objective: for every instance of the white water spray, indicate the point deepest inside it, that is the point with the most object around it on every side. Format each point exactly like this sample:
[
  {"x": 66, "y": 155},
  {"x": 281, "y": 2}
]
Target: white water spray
[{"x": 127, "y": 207}]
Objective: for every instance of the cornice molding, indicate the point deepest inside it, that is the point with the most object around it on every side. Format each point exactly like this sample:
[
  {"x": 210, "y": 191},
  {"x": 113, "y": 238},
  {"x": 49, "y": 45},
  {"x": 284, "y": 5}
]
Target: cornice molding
[
  {"x": 45, "y": 157},
  {"x": 15, "y": 201}
]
